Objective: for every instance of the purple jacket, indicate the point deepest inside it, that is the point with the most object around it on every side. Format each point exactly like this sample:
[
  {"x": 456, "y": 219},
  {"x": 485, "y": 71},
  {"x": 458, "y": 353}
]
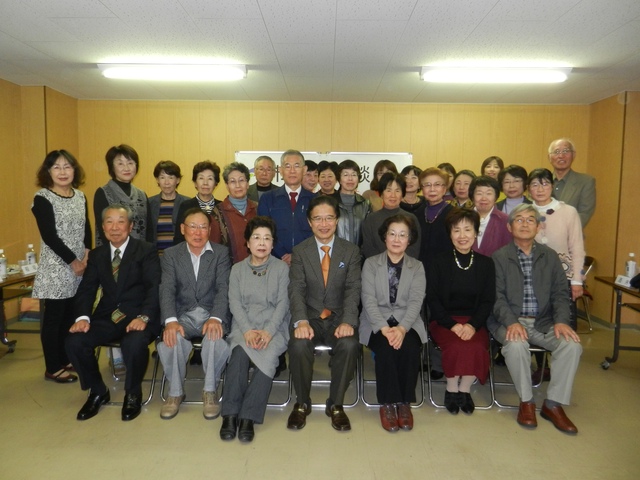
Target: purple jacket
[{"x": 496, "y": 235}]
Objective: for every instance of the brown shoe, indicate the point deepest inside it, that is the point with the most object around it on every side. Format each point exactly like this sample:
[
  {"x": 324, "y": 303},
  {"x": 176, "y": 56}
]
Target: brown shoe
[
  {"x": 540, "y": 376},
  {"x": 405, "y": 417},
  {"x": 210, "y": 405},
  {"x": 298, "y": 418},
  {"x": 527, "y": 415},
  {"x": 339, "y": 419},
  {"x": 389, "y": 417},
  {"x": 559, "y": 419}
]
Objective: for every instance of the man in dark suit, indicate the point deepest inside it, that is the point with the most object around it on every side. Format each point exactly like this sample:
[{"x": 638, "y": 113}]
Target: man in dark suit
[
  {"x": 264, "y": 169},
  {"x": 324, "y": 293},
  {"x": 573, "y": 188},
  {"x": 128, "y": 270},
  {"x": 194, "y": 303}
]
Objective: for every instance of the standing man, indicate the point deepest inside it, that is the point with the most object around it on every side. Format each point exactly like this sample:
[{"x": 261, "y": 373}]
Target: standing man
[
  {"x": 128, "y": 270},
  {"x": 194, "y": 303},
  {"x": 288, "y": 205},
  {"x": 264, "y": 169},
  {"x": 532, "y": 308},
  {"x": 573, "y": 188},
  {"x": 324, "y": 292}
]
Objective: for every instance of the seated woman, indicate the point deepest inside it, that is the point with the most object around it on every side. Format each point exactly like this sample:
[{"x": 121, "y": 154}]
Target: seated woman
[
  {"x": 393, "y": 287},
  {"x": 165, "y": 205},
  {"x": 493, "y": 233},
  {"x": 460, "y": 189},
  {"x": 461, "y": 290},
  {"x": 513, "y": 180},
  {"x": 259, "y": 305}
]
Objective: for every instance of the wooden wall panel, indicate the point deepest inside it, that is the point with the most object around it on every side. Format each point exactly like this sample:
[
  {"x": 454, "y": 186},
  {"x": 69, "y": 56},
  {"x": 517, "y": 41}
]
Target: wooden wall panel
[
  {"x": 397, "y": 128},
  {"x": 266, "y": 126},
  {"x": 61, "y": 117},
  {"x": 291, "y": 123},
  {"x": 370, "y": 127},
  {"x": 318, "y": 127},
  {"x": 344, "y": 128},
  {"x": 477, "y": 136},
  {"x": 424, "y": 135}
]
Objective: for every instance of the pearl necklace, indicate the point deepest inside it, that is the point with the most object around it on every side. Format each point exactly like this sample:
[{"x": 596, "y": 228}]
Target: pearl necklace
[{"x": 458, "y": 262}]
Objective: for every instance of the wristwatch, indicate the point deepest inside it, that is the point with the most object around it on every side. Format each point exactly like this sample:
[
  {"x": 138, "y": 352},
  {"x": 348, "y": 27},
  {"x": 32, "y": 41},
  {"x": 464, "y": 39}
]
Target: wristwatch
[{"x": 144, "y": 318}]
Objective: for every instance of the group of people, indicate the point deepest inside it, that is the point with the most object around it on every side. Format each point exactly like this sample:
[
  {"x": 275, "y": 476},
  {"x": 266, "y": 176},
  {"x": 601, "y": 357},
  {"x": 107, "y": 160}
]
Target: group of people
[{"x": 272, "y": 270}]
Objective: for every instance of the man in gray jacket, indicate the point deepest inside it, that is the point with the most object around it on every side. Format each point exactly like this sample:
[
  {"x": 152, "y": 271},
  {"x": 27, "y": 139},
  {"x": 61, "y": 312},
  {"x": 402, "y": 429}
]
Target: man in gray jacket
[{"x": 532, "y": 308}]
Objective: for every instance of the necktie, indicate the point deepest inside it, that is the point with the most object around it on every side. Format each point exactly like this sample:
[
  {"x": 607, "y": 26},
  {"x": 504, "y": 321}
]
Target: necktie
[
  {"x": 115, "y": 264},
  {"x": 293, "y": 196},
  {"x": 326, "y": 261}
]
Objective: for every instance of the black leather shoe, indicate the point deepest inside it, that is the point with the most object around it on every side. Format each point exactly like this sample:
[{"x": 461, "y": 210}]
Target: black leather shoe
[
  {"x": 298, "y": 417},
  {"x": 245, "y": 431},
  {"x": 465, "y": 402},
  {"x": 436, "y": 375},
  {"x": 339, "y": 419},
  {"x": 131, "y": 407},
  {"x": 92, "y": 406},
  {"x": 451, "y": 402},
  {"x": 229, "y": 427}
]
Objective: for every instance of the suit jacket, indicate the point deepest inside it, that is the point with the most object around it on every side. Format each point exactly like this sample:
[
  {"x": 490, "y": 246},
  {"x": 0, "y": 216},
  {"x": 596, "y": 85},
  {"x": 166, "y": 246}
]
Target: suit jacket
[
  {"x": 307, "y": 293},
  {"x": 376, "y": 308},
  {"x": 253, "y": 194},
  {"x": 135, "y": 293},
  {"x": 181, "y": 292},
  {"x": 580, "y": 192},
  {"x": 496, "y": 235},
  {"x": 154, "y": 208}
]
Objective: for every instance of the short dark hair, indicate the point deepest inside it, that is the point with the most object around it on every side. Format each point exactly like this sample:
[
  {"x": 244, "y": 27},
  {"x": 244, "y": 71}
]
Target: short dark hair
[
  {"x": 43, "y": 177},
  {"x": 235, "y": 167},
  {"x": 408, "y": 220},
  {"x": 411, "y": 168},
  {"x": 168, "y": 167},
  {"x": 468, "y": 173},
  {"x": 206, "y": 165},
  {"x": 311, "y": 165},
  {"x": 390, "y": 177},
  {"x": 261, "y": 221},
  {"x": 349, "y": 164},
  {"x": 488, "y": 160},
  {"x": 326, "y": 165},
  {"x": 540, "y": 174},
  {"x": 126, "y": 151},
  {"x": 484, "y": 181},
  {"x": 388, "y": 164},
  {"x": 447, "y": 167},
  {"x": 515, "y": 171},
  {"x": 457, "y": 215},
  {"x": 193, "y": 211},
  {"x": 323, "y": 200}
]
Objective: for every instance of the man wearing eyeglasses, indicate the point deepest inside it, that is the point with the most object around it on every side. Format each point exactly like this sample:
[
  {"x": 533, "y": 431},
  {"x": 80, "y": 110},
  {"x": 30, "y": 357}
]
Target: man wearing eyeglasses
[
  {"x": 532, "y": 308},
  {"x": 324, "y": 292},
  {"x": 264, "y": 169},
  {"x": 194, "y": 303},
  {"x": 573, "y": 188},
  {"x": 287, "y": 205}
]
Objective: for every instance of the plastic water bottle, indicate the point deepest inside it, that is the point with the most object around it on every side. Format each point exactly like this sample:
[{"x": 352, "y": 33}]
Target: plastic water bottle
[
  {"x": 630, "y": 266},
  {"x": 31, "y": 254},
  {"x": 3, "y": 265}
]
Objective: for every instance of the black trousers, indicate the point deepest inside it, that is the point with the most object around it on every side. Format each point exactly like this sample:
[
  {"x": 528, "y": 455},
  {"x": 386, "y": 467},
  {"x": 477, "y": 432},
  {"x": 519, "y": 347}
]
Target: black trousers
[{"x": 56, "y": 322}]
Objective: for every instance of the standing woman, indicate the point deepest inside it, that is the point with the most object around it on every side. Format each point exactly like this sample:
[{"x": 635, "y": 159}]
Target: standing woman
[
  {"x": 513, "y": 180},
  {"x": 493, "y": 233},
  {"x": 461, "y": 290},
  {"x": 460, "y": 189},
  {"x": 354, "y": 208},
  {"x": 62, "y": 218},
  {"x": 411, "y": 201},
  {"x": 491, "y": 167},
  {"x": 393, "y": 287},
  {"x": 382, "y": 167},
  {"x": 122, "y": 162},
  {"x": 259, "y": 304},
  {"x": 450, "y": 170},
  {"x": 229, "y": 218},
  {"x": 165, "y": 205},
  {"x": 327, "y": 177}
]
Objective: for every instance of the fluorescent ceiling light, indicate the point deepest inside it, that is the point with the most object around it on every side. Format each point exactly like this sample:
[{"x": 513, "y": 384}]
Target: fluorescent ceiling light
[
  {"x": 446, "y": 74},
  {"x": 173, "y": 72}
]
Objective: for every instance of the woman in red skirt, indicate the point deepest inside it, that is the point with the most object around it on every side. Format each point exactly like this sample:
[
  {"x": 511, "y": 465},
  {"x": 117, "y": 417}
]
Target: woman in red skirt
[{"x": 461, "y": 291}]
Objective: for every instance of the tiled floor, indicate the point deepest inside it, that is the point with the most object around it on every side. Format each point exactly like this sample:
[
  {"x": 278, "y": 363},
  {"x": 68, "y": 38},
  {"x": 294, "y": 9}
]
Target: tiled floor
[{"x": 41, "y": 439}]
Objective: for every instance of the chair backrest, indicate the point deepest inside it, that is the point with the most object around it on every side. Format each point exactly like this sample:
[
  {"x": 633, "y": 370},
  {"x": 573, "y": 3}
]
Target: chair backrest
[{"x": 589, "y": 262}]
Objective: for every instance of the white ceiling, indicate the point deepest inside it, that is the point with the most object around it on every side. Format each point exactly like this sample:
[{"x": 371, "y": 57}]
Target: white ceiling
[{"x": 323, "y": 50}]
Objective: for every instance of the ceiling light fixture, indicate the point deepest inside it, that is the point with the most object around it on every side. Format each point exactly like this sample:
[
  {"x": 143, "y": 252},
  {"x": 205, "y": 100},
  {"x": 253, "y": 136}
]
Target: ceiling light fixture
[
  {"x": 173, "y": 72},
  {"x": 444, "y": 74}
]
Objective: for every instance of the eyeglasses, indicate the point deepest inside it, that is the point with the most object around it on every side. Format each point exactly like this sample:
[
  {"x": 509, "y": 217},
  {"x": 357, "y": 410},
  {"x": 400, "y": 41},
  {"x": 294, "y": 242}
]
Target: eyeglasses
[
  {"x": 542, "y": 184},
  {"x": 564, "y": 151},
  {"x": 400, "y": 235},
  {"x": 516, "y": 181},
  {"x": 527, "y": 220},
  {"x": 327, "y": 219},
  {"x": 193, "y": 227},
  {"x": 60, "y": 168},
  {"x": 239, "y": 181},
  {"x": 257, "y": 238},
  {"x": 265, "y": 169},
  {"x": 289, "y": 166},
  {"x": 432, "y": 185}
]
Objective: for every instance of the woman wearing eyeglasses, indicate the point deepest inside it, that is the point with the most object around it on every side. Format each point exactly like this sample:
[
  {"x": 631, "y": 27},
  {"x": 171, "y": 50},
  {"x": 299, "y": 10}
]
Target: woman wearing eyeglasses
[
  {"x": 461, "y": 291},
  {"x": 393, "y": 287},
  {"x": 229, "y": 218},
  {"x": 259, "y": 305}
]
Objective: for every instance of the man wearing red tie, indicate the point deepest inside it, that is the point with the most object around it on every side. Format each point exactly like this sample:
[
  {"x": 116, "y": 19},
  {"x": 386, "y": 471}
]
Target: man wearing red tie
[{"x": 324, "y": 292}]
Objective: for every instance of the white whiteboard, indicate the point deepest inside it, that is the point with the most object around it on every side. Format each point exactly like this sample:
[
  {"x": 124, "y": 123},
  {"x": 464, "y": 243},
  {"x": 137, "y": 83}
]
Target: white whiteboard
[{"x": 365, "y": 160}]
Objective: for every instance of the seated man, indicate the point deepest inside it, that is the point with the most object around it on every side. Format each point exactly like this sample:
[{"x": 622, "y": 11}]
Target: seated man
[
  {"x": 194, "y": 303},
  {"x": 532, "y": 307},
  {"x": 128, "y": 270},
  {"x": 324, "y": 292}
]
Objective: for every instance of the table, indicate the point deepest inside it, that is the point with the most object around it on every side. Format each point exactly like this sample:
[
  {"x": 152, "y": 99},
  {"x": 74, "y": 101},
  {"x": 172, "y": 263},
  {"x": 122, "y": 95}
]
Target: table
[
  {"x": 7, "y": 293},
  {"x": 619, "y": 289}
]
